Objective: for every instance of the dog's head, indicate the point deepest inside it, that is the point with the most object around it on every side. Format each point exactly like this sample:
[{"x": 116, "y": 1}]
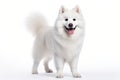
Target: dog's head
[{"x": 69, "y": 22}]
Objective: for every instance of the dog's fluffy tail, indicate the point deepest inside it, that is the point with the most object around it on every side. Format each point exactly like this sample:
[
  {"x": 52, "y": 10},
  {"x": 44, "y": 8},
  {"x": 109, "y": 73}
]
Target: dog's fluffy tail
[{"x": 36, "y": 24}]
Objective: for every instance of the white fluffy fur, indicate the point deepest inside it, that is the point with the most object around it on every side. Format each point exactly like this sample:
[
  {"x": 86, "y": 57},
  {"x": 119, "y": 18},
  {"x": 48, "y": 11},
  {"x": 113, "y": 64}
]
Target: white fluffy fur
[{"x": 55, "y": 42}]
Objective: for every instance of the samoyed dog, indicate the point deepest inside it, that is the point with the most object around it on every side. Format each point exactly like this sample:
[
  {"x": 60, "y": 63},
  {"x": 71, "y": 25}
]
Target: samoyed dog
[{"x": 63, "y": 41}]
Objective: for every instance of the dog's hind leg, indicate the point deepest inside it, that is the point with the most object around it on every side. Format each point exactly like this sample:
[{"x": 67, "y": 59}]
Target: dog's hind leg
[
  {"x": 36, "y": 61},
  {"x": 46, "y": 61},
  {"x": 35, "y": 66}
]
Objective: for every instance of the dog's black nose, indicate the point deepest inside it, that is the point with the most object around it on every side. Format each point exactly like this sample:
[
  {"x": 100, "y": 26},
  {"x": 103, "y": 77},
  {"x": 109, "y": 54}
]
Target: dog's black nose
[{"x": 70, "y": 25}]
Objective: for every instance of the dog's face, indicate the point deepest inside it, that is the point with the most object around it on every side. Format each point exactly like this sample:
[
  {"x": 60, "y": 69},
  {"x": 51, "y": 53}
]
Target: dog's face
[{"x": 69, "y": 22}]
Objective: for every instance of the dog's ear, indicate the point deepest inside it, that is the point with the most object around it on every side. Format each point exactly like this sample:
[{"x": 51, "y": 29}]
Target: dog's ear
[
  {"x": 62, "y": 10},
  {"x": 76, "y": 9}
]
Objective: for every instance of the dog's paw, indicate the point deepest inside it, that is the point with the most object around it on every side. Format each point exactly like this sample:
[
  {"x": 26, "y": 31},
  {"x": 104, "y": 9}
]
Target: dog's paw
[
  {"x": 34, "y": 72},
  {"x": 60, "y": 75},
  {"x": 49, "y": 71},
  {"x": 76, "y": 75}
]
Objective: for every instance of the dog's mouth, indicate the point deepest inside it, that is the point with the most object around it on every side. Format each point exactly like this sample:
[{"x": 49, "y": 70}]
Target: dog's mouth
[{"x": 70, "y": 31}]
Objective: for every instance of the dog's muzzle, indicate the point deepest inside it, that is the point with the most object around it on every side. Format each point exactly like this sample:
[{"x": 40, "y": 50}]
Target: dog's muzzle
[{"x": 70, "y": 30}]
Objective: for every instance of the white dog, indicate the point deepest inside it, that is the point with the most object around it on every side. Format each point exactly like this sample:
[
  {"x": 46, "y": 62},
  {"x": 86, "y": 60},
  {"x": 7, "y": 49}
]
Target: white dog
[{"x": 63, "y": 42}]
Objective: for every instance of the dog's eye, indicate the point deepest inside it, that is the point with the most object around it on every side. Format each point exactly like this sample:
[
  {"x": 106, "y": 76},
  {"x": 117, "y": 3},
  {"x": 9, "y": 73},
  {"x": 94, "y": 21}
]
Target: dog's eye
[
  {"x": 66, "y": 19},
  {"x": 74, "y": 19}
]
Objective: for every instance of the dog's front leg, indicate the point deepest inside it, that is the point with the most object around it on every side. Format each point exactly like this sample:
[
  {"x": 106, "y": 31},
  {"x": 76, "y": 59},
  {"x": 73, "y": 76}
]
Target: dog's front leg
[
  {"x": 73, "y": 65},
  {"x": 59, "y": 63}
]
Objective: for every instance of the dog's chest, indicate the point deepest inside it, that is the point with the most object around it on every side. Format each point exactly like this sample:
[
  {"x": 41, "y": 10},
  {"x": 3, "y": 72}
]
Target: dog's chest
[{"x": 67, "y": 49}]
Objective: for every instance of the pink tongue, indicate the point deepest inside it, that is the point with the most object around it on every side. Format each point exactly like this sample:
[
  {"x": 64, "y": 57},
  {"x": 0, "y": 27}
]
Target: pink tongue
[{"x": 70, "y": 32}]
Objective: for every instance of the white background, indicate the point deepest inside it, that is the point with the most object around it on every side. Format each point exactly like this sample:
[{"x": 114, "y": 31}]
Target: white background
[{"x": 100, "y": 56}]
